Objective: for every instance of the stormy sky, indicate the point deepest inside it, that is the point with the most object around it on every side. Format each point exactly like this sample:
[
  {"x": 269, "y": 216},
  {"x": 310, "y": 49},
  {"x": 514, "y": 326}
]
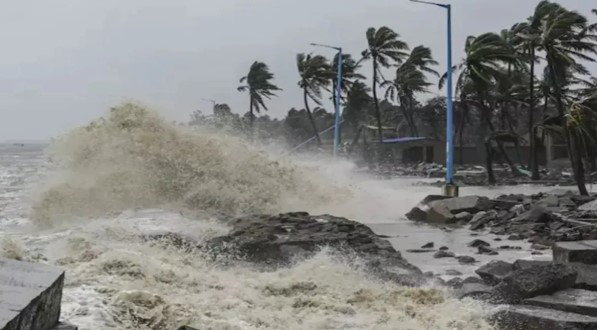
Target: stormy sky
[{"x": 65, "y": 62}]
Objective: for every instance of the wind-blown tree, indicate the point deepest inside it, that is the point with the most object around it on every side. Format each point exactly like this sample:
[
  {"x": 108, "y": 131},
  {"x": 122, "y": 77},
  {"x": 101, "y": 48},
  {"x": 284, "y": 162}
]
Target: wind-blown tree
[
  {"x": 314, "y": 72},
  {"x": 349, "y": 75},
  {"x": 480, "y": 70},
  {"x": 411, "y": 79},
  {"x": 357, "y": 105},
  {"x": 565, "y": 39},
  {"x": 258, "y": 82},
  {"x": 384, "y": 49}
]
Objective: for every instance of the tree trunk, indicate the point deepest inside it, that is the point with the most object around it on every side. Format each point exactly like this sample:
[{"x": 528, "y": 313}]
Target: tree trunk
[
  {"x": 574, "y": 151},
  {"x": 407, "y": 117},
  {"x": 377, "y": 111},
  {"x": 411, "y": 113},
  {"x": 489, "y": 159},
  {"x": 251, "y": 117},
  {"x": 315, "y": 131}
]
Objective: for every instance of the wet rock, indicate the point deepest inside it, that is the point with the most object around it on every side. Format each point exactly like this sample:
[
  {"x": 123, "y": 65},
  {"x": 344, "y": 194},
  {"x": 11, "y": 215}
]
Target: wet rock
[
  {"x": 495, "y": 271},
  {"x": 444, "y": 248},
  {"x": 478, "y": 242},
  {"x": 474, "y": 290},
  {"x": 549, "y": 201},
  {"x": 466, "y": 260},
  {"x": 539, "y": 318},
  {"x": 438, "y": 213},
  {"x": 186, "y": 327},
  {"x": 455, "y": 283},
  {"x": 487, "y": 250},
  {"x": 463, "y": 217},
  {"x": 540, "y": 247},
  {"x": 473, "y": 279},
  {"x": 526, "y": 264},
  {"x": 590, "y": 206},
  {"x": 531, "y": 282},
  {"x": 471, "y": 204},
  {"x": 537, "y": 214},
  {"x": 536, "y": 253},
  {"x": 583, "y": 200},
  {"x": 453, "y": 272},
  {"x": 508, "y": 247},
  {"x": 444, "y": 254},
  {"x": 67, "y": 326},
  {"x": 497, "y": 239},
  {"x": 428, "y": 245},
  {"x": 428, "y": 274},
  {"x": 280, "y": 239},
  {"x": 420, "y": 250},
  {"x": 582, "y": 251},
  {"x": 570, "y": 300},
  {"x": 481, "y": 219},
  {"x": 516, "y": 237},
  {"x": 506, "y": 203}
]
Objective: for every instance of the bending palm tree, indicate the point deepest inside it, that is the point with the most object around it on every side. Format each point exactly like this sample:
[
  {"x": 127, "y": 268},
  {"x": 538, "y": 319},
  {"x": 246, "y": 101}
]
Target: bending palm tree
[
  {"x": 384, "y": 49},
  {"x": 349, "y": 74},
  {"x": 411, "y": 79},
  {"x": 314, "y": 72},
  {"x": 259, "y": 86},
  {"x": 565, "y": 39}
]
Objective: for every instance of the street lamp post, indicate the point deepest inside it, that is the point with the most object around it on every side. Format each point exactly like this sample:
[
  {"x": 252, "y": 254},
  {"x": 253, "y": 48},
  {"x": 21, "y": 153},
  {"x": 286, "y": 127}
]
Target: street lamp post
[
  {"x": 338, "y": 93},
  {"x": 213, "y": 102},
  {"x": 450, "y": 188}
]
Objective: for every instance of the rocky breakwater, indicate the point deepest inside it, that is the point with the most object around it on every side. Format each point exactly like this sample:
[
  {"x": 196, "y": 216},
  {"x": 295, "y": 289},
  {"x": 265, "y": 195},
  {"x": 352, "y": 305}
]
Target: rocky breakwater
[
  {"x": 278, "y": 240},
  {"x": 558, "y": 294}
]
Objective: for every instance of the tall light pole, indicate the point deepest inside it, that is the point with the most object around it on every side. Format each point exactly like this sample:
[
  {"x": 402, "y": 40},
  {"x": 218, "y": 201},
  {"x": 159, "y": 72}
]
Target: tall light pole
[
  {"x": 450, "y": 188},
  {"x": 338, "y": 92}
]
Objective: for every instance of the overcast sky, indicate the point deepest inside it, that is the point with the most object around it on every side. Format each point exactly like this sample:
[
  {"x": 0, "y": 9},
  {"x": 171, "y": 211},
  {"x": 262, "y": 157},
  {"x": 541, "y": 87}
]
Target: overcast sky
[{"x": 65, "y": 62}]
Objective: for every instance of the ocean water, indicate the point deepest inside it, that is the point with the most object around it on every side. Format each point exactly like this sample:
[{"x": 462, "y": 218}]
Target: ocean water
[{"x": 84, "y": 202}]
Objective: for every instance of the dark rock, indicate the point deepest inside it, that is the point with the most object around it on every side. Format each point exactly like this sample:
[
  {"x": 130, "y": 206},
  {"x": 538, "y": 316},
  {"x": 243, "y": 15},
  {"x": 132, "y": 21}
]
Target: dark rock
[
  {"x": 417, "y": 213},
  {"x": 439, "y": 213},
  {"x": 497, "y": 239},
  {"x": 590, "y": 206},
  {"x": 474, "y": 290},
  {"x": 65, "y": 326},
  {"x": 463, "y": 217},
  {"x": 474, "y": 234},
  {"x": 508, "y": 247},
  {"x": 537, "y": 214},
  {"x": 495, "y": 271},
  {"x": 499, "y": 230},
  {"x": 455, "y": 283},
  {"x": 444, "y": 248},
  {"x": 471, "y": 204},
  {"x": 526, "y": 264},
  {"x": 538, "y": 318},
  {"x": 582, "y": 252},
  {"x": 466, "y": 260},
  {"x": 433, "y": 198},
  {"x": 453, "y": 272},
  {"x": 536, "y": 253},
  {"x": 420, "y": 250},
  {"x": 539, "y": 280},
  {"x": 473, "y": 279},
  {"x": 570, "y": 300},
  {"x": 478, "y": 242},
  {"x": 428, "y": 246},
  {"x": 549, "y": 201},
  {"x": 582, "y": 200},
  {"x": 539, "y": 247},
  {"x": 516, "y": 237},
  {"x": 505, "y": 203},
  {"x": 487, "y": 250},
  {"x": 444, "y": 254},
  {"x": 481, "y": 219},
  {"x": 186, "y": 327},
  {"x": 280, "y": 239}
]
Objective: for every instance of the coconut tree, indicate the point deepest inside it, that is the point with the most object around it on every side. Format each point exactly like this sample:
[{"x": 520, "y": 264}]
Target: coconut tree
[
  {"x": 258, "y": 82},
  {"x": 349, "y": 74},
  {"x": 411, "y": 79},
  {"x": 565, "y": 39},
  {"x": 314, "y": 71},
  {"x": 479, "y": 72},
  {"x": 384, "y": 49}
]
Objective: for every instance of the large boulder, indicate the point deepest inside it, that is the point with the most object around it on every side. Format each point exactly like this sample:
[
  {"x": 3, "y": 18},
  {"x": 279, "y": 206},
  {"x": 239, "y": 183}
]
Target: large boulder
[
  {"x": 444, "y": 210},
  {"x": 280, "y": 239},
  {"x": 537, "y": 214},
  {"x": 538, "y": 318},
  {"x": 534, "y": 281},
  {"x": 590, "y": 206},
  {"x": 495, "y": 271},
  {"x": 482, "y": 218}
]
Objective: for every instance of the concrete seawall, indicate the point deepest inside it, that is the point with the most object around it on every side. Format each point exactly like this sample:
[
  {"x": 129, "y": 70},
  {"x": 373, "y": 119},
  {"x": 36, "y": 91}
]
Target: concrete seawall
[{"x": 30, "y": 295}]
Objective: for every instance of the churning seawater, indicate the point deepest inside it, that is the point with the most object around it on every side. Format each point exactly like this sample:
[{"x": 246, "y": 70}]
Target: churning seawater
[{"x": 85, "y": 202}]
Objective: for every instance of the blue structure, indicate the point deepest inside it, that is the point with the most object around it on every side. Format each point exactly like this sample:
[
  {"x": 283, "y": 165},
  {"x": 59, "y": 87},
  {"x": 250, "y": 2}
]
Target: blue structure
[{"x": 450, "y": 188}]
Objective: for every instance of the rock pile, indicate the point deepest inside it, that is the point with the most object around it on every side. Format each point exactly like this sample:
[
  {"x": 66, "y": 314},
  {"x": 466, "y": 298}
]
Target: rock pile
[{"x": 541, "y": 218}]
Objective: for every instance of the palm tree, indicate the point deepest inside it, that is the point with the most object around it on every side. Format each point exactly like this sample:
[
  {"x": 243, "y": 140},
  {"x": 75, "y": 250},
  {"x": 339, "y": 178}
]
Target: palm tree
[
  {"x": 258, "y": 84},
  {"x": 565, "y": 39},
  {"x": 411, "y": 79},
  {"x": 480, "y": 70},
  {"x": 384, "y": 48},
  {"x": 315, "y": 73},
  {"x": 349, "y": 74}
]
